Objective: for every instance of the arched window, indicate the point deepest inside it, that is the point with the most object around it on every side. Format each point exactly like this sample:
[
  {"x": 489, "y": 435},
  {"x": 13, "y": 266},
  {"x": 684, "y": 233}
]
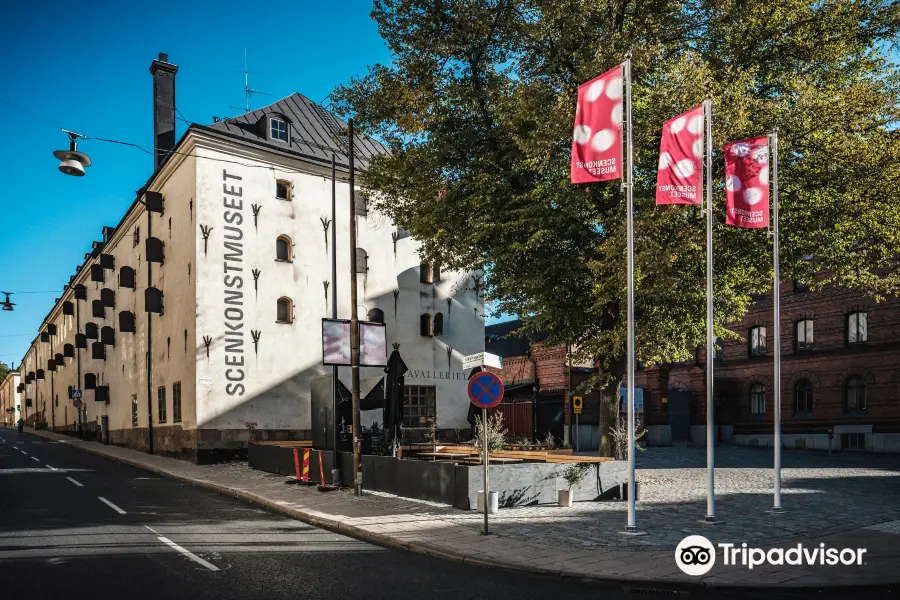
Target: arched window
[
  {"x": 362, "y": 261},
  {"x": 757, "y": 399},
  {"x": 283, "y": 189},
  {"x": 285, "y": 311},
  {"x": 855, "y": 394},
  {"x": 437, "y": 326},
  {"x": 803, "y": 397},
  {"x": 284, "y": 249},
  {"x": 425, "y": 324}
]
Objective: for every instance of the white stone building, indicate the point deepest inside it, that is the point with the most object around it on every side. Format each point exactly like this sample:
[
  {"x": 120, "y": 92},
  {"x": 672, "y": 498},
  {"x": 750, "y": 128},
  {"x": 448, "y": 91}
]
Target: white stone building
[{"x": 220, "y": 271}]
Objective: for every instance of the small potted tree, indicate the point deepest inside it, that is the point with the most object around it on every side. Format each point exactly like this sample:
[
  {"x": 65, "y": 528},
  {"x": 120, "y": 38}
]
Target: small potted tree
[{"x": 574, "y": 474}]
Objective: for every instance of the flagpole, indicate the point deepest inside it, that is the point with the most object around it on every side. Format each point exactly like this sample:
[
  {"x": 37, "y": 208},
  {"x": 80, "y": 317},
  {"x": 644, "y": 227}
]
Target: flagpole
[
  {"x": 710, "y": 341},
  {"x": 777, "y": 309},
  {"x": 629, "y": 194}
]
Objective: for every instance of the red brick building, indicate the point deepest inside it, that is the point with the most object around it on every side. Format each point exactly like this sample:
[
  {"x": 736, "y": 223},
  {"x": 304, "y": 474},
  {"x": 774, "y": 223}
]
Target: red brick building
[
  {"x": 840, "y": 370},
  {"x": 538, "y": 379}
]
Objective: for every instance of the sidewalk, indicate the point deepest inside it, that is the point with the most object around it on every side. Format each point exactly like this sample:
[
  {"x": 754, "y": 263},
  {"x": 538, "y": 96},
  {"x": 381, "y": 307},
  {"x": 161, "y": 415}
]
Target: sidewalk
[{"x": 540, "y": 539}]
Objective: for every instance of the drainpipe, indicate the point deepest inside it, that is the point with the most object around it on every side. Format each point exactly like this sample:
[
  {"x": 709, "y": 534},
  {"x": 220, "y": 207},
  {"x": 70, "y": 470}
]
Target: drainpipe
[{"x": 149, "y": 341}]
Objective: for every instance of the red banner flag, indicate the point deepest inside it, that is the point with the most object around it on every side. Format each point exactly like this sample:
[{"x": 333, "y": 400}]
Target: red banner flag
[
  {"x": 747, "y": 183},
  {"x": 597, "y": 138},
  {"x": 678, "y": 180}
]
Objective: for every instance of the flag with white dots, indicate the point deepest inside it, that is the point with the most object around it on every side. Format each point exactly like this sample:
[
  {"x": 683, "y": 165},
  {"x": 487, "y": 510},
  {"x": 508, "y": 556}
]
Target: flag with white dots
[
  {"x": 678, "y": 180},
  {"x": 747, "y": 183},
  {"x": 597, "y": 138}
]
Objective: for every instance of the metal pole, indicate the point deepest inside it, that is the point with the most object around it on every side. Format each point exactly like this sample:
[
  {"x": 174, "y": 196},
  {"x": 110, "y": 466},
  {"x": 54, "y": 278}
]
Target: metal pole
[
  {"x": 710, "y": 333},
  {"x": 486, "y": 497},
  {"x": 629, "y": 191},
  {"x": 78, "y": 353},
  {"x": 777, "y": 309},
  {"x": 577, "y": 435},
  {"x": 354, "y": 327},
  {"x": 336, "y": 467},
  {"x": 52, "y": 395},
  {"x": 149, "y": 356}
]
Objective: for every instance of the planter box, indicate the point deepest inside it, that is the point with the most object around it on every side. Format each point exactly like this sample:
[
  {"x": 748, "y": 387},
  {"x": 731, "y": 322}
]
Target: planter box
[{"x": 565, "y": 498}]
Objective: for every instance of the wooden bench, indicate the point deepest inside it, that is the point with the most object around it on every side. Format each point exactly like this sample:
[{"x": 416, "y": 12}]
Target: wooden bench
[{"x": 286, "y": 443}]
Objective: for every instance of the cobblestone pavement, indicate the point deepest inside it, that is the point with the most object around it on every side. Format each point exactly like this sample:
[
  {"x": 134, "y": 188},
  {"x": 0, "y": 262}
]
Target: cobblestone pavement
[{"x": 821, "y": 495}]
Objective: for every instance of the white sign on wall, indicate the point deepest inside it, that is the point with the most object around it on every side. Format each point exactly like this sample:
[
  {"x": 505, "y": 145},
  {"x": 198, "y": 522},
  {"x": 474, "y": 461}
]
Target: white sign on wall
[
  {"x": 336, "y": 343},
  {"x": 482, "y": 359}
]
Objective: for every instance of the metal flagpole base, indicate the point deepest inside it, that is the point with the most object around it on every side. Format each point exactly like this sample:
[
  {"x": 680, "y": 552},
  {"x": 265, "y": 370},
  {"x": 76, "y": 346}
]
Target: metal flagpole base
[
  {"x": 776, "y": 510},
  {"x": 711, "y": 520},
  {"x": 632, "y": 530}
]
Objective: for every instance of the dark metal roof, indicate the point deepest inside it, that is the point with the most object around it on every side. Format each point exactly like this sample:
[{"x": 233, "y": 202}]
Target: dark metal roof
[
  {"x": 501, "y": 339},
  {"x": 314, "y": 132}
]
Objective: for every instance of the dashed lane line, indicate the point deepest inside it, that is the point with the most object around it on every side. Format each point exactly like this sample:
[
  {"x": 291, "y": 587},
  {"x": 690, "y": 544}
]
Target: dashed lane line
[
  {"x": 111, "y": 505},
  {"x": 188, "y": 553},
  {"x": 35, "y": 458},
  {"x": 51, "y": 468},
  {"x": 78, "y": 483}
]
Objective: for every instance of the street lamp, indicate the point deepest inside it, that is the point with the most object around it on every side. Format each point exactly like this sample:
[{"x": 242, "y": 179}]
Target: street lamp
[
  {"x": 7, "y": 305},
  {"x": 72, "y": 162}
]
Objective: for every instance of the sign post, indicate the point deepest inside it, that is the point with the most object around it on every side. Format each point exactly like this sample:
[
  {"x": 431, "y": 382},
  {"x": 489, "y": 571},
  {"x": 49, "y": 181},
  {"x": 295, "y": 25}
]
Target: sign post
[
  {"x": 577, "y": 403},
  {"x": 485, "y": 391}
]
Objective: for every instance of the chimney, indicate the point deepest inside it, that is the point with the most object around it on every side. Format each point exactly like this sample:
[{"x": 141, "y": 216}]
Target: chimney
[{"x": 163, "y": 108}]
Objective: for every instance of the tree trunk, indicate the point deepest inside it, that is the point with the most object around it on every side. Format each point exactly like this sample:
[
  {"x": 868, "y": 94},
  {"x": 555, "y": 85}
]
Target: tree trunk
[{"x": 609, "y": 408}]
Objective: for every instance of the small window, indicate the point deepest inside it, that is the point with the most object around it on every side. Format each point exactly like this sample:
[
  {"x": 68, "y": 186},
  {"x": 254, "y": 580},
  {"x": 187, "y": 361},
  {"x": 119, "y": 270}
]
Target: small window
[
  {"x": 425, "y": 325},
  {"x": 285, "y": 311},
  {"x": 126, "y": 277},
  {"x": 857, "y": 328},
  {"x": 362, "y": 261},
  {"x": 91, "y": 331},
  {"x": 90, "y": 381},
  {"x": 161, "y": 403},
  {"x": 437, "y": 325},
  {"x": 361, "y": 204},
  {"x": 136, "y": 238},
  {"x": 98, "y": 310},
  {"x": 853, "y": 441},
  {"x": 803, "y": 338},
  {"x": 758, "y": 341},
  {"x": 855, "y": 394},
  {"x": 176, "y": 402},
  {"x": 134, "y": 410},
  {"x": 283, "y": 249},
  {"x": 803, "y": 397},
  {"x": 283, "y": 189},
  {"x": 757, "y": 399},
  {"x": 419, "y": 408},
  {"x": 719, "y": 349},
  {"x": 279, "y": 129},
  {"x": 425, "y": 273}
]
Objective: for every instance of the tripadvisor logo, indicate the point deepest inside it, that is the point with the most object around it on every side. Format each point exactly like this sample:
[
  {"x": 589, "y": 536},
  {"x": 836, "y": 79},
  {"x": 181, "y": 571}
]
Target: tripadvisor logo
[{"x": 695, "y": 555}]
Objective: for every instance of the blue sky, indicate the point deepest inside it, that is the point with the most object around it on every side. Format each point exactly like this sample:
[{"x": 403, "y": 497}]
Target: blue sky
[{"x": 83, "y": 66}]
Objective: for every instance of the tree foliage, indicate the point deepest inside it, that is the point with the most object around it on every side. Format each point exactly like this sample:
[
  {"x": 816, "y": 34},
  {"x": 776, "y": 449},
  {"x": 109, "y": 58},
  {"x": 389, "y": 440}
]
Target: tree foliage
[
  {"x": 4, "y": 370},
  {"x": 477, "y": 110}
]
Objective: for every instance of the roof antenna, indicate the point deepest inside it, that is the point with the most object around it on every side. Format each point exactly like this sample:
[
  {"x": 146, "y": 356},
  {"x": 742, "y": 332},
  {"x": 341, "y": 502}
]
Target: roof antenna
[{"x": 248, "y": 91}]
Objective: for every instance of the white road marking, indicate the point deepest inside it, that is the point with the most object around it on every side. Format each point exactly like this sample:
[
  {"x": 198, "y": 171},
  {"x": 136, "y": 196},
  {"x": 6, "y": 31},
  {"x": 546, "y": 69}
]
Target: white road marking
[
  {"x": 51, "y": 468},
  {"x": 151, "y": 529},
  {"x": 23, "y": 452},
  {"x": 35, "y": 458},
  {"x": 111, "y": 505},
  {"x": 79, "y": 484},
  {"x": 187, "y": 553}
]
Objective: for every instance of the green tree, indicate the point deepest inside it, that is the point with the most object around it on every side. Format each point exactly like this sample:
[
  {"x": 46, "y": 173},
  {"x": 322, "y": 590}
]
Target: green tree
[
  {"x": 477, "y": 108},
  {"x": 4, "y": 370}
]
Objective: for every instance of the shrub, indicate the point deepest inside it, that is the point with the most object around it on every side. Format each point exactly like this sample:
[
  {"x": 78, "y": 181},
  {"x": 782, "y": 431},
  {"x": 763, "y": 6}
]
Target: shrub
[
  {"x": 575, "y": 474},
  {"x": 496, "y": 433}
]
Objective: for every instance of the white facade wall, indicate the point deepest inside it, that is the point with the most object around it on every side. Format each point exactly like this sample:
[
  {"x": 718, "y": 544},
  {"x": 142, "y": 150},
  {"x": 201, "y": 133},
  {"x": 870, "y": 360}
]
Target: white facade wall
[{"x": 271, "y": 388}]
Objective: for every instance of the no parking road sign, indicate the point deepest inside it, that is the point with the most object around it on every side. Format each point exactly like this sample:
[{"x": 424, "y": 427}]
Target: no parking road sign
[{"x": 485, "y": 390}]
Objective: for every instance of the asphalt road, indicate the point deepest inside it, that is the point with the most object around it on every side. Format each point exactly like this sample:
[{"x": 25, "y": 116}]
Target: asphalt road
[{"x": 75, "y": 525}]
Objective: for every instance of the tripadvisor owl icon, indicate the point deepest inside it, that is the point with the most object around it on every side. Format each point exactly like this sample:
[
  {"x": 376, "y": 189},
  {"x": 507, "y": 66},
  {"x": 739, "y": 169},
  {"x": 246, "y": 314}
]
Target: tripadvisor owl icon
[{"x": 695, "y": 555}]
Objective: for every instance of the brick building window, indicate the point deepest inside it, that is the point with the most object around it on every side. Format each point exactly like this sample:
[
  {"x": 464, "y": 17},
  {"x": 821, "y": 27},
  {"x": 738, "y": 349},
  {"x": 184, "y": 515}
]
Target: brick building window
[
  {"x": 857, "y": 328},
  {"x": 134, "y": 410},
  {"x": 803, "y": 334},
  {"x": 855, "y": 394},
  {"x": 420, "y": 406},
  {"x": 757, "y": 399},
  {"x": 161, "y": 403},
  {"x": 803, "y": 397},
  {"x": 719, "y": 349},
  {"x": 757, "y": 339},
  {"x": 176, "y": 402}
]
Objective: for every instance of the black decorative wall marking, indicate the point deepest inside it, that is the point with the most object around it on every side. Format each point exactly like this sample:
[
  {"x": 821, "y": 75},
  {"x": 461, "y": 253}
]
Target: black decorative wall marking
[
  {"x": 205, "y": 230},
  {"x": 325, "y": 223},
  {"x": 449, "y": 356},
  {"x": 449, "y": 304},
  {"x": 256, "y": 333},
  {"x": 256, "y": 274},
  {"x": 185, "y": 340},
  {"x": 256, "y": 208},
  {"x": 191, "y": 208},
  {"x": 395, "y": 236},
  {"x": 396, "y": 295},
  {"x": 477, "y": 286},
  {"x": 206, "y": 342},
  {"x": 325, "y": 284}
]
